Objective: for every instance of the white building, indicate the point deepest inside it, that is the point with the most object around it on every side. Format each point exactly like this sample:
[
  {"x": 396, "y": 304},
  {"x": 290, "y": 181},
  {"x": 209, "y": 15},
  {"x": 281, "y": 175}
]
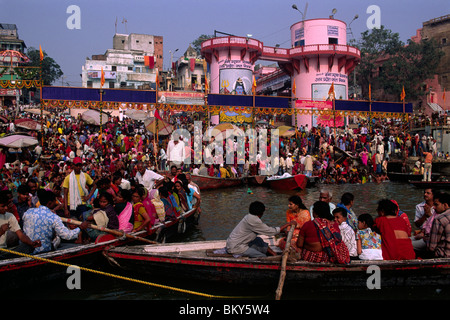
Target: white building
[{"x": 132, "y": 63}]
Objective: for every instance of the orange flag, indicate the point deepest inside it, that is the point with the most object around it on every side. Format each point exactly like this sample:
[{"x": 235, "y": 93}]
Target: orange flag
[
  {"x": 294, "y": 87},
  {"x": 403, "y": 95},
  {"x": 331, "y": 91},
  {"x": 370, "y": 93},
  {"x": 443, "y": 95},
  {"x": 41, "y": 54},
  {"x": 254, "y": 85},
  {"x": 102, "y": 79},
  {"x": 206, "y": 85}
]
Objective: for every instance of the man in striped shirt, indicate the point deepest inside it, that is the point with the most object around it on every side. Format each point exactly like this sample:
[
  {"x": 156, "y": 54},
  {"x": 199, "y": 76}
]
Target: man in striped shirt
[{"x": 439, "y": 242}]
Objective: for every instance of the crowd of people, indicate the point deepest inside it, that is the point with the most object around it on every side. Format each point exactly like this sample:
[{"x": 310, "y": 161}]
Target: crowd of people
[
  {"x": 334, "y": 233},
  {"x": 123, "y": 177}
]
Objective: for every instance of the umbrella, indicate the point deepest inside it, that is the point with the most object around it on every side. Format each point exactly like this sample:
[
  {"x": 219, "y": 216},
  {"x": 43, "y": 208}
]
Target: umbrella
[
  {"x": 137, "y": 114},
  {"x": 93, "y": 117},
  {"x": 37, "y": 111},
  {"x": 286, "y": 131},
  {"x": 27, "y": 123},
  {"x": 164, "y": 128},
  {"x": 18, "y": 141},
  {"x": 224, "y": 131}
]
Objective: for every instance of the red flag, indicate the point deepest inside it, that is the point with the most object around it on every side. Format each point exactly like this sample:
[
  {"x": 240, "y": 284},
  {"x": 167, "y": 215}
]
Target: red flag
[{"x": 157, "y": 116}]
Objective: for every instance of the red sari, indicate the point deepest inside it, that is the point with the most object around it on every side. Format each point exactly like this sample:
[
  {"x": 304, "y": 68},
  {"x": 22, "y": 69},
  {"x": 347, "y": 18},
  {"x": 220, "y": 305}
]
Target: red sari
[{"x": 392, "y": 247}]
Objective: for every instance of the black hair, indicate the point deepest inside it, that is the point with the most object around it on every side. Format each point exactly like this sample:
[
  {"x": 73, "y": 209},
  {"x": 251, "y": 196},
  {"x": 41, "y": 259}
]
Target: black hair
[
  {"x": 342, "y": 211},
  {"x": 443, "y": 197},
  {"x": 139, "y": 190},
  {"x": 257, "y": 208},
  {"x": 298, "y": 201},
  {"x": 387, "y": 207},
  {"x": 108, "y": 197},
  {"x": 126, "y": 194},
  {"x": 322, "y": 210},
  {"x": 347, "y": 198},
  {"x": 366, "y": 218},
  {"x": 4, "y": 199},
  {"x": 45, "y": 196}
]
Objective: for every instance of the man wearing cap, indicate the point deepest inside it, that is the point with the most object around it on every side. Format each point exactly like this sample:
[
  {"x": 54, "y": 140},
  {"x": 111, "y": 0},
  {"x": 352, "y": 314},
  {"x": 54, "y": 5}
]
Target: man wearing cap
[{"x": 76, "y": 187}]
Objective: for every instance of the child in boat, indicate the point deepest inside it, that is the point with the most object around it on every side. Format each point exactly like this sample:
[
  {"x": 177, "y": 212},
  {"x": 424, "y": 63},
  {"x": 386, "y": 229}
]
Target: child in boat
[
  {"x": 348, "y": 235},
  {"x": 368, "y": 243},
  {"x": 142, "y": 219},
  {"x": 103, "y": 215}
]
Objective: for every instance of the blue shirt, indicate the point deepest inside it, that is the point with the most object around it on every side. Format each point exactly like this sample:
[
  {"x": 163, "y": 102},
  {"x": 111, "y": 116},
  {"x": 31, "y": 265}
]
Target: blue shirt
[{"x": 43, "y": 224}]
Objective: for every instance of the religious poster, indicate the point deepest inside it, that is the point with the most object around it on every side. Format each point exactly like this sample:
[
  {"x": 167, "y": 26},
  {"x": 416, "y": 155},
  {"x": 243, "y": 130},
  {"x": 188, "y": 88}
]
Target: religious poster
[{"x": 235, "y": 77}]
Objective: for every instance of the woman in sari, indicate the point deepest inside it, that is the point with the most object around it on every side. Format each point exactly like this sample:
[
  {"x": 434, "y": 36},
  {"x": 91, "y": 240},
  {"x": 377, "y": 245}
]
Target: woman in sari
[
  {"x": 320, "y": 240},
  {"x": 297, "y": 212}
]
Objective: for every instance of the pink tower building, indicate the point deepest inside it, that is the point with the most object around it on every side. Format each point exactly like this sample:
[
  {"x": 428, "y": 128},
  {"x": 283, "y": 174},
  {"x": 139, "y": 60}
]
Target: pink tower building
[{"x": 319, "y": 56}]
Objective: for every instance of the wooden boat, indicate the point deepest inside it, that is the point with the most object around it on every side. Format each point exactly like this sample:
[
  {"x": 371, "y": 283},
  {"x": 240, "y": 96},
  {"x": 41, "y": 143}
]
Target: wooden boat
[
  {"x": 406, "y": 177},
  {"x": 256, "y": 180},
  {"x": 431, "y": 184},
  {"x": 298, "y": 181},
  {"x": 24, "y": 270},
  {"x": 208, "y": 261},
  {"x": 212, "y": 183}
]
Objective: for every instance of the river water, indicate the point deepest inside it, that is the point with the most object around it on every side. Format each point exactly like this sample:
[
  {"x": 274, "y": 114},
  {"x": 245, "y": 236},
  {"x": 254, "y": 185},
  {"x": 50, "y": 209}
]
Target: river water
[{"x": 221, "y": 211}]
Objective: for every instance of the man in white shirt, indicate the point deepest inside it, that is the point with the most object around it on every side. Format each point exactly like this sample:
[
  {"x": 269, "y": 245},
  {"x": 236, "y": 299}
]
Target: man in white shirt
[
  {"x": 148, "y": 178},
  {"x": 176, "y": 151}
]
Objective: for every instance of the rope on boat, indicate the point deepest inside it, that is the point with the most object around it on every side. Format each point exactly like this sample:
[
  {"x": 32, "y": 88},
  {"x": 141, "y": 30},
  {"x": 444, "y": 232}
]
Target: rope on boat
[{"x": 211, "y": 296}]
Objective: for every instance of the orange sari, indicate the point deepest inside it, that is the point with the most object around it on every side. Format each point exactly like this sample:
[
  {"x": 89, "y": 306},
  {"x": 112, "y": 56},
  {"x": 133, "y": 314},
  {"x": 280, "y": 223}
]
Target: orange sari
[{"x": 299, "y": 217}]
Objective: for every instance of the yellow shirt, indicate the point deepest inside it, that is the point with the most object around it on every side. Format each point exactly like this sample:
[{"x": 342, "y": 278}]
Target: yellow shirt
[{"x": 89, "y": 182}]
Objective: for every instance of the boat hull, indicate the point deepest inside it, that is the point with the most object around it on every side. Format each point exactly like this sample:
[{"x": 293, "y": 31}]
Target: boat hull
[
  {"x": 228, "y": 269},
  {"x": 431, "y": 184},
  {"x": 212, "y": 183},
  {"x": 24, "y": 271},
  {"x": 406, "y": 177},
  {"x": 298, "y": 181}
]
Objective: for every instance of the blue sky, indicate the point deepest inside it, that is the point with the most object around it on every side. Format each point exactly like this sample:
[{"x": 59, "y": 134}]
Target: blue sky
[{"x": 43, "y": 22}]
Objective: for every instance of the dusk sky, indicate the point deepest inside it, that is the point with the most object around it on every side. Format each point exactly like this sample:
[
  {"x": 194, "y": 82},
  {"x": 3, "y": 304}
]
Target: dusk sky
[{"x": 44, "y": 22}]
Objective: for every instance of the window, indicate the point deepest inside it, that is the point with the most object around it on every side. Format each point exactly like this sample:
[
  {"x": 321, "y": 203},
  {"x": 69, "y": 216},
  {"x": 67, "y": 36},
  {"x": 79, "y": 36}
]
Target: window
[
  {"x": 444, "y": 40},
  {"x": 113, "y": 68},
  {"x": 111, "y": 84},
  {"x": 332, "y": 41},
  {"x": 130, "y": 68},
  {"x": 89, "y": 84}
]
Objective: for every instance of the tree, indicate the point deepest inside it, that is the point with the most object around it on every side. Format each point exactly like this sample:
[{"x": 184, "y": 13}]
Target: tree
[
  {"x": 197, "y": 43},
  {"x": 51, "y": 71},
  {"x": 388, "y": 64}
]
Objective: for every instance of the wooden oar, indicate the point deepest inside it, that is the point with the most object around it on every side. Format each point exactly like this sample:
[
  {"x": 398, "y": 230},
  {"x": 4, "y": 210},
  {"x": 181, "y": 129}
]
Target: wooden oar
[
  {"x": 114, "y": 232},
  {"x": 283, "y": 262}
]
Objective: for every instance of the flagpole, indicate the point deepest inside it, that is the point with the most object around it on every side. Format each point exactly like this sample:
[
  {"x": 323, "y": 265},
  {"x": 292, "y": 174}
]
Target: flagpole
[
  {"x": 370, "y": 106},
  {"x": 40, "y": 96},
  {"x": 155, "y": 136}
]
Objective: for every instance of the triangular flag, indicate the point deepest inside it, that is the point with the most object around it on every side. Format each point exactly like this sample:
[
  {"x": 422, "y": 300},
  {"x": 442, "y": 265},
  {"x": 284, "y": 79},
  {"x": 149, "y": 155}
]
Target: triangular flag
[
  {"x": 294, "y": 88},
  {"x": 157, "y": 116},
  {"x": 331, "y": 91},
  {"x": 41, "y": 54},
  {"x": 403, "y": 95},
  {"x": 102, "y": 78}
]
